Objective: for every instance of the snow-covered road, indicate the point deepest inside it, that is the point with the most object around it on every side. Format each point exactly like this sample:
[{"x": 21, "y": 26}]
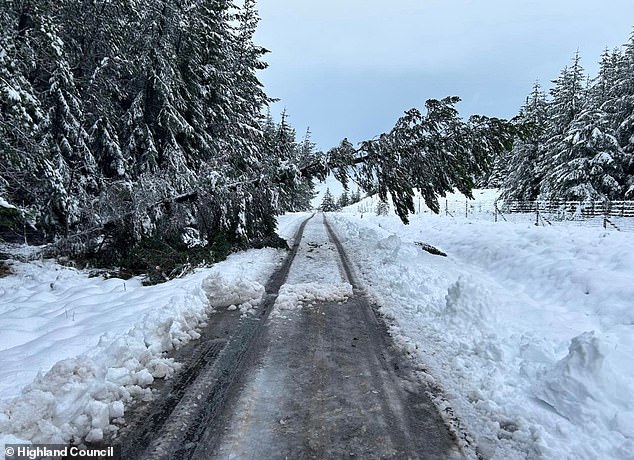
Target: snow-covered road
[{"x": 324, "y": 382}]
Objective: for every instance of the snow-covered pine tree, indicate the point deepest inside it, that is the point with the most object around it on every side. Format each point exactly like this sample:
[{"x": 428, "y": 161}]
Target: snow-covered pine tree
[
  {"x": 588, "y": 162},
  {"x": 382, "y": 208},
  {"x": 285, "y": 156},
  {"x": 64, "y": 163},
  {"x": 434, "y": 153},
  {"x": 233, "y": 103},
  {"x": 304, "y": 186},
  {"x": 282, "y": 162},
  {"x": 522, "y": 179},
  {"x": 299, "y": 188},
  {"x": 355, "y": 197},
  {"x": 591, "y": 166},
  {"x": 568, "y": 97},
  {"x": 106, "y": 51},
  {"x": 343, "y": 200},
  {"x": 248, "y": 91},
  {"x": 604, "y": 87},
  {"x": 74, "y": 171},
  {"x": 623, "y": 121},
  {"x": 105, "y": 143},
  {"x": 21, "y": 113},
  {"x": 328, "y": 202}
]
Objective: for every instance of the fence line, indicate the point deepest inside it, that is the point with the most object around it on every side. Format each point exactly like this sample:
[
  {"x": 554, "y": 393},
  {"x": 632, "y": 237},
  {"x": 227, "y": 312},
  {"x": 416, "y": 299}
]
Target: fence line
[
  {"x": 583, "y": 209},
  {"x": 614, "y": 215}
]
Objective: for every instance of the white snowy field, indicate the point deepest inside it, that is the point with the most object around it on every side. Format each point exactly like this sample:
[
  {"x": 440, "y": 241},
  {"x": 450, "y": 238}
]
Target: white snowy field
[
  {"x": 75, "y": 350},
  {"x": 528, "y": 330}
]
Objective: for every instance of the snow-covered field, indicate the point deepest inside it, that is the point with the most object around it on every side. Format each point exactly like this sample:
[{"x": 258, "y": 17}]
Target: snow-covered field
[
  {"x": 74, "y": 350},
  {"x": 528, "y": 330}
]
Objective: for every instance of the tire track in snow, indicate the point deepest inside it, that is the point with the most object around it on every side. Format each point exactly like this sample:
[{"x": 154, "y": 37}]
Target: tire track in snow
[
  {"x": 325, "y": 381},
  {"x": 174, "y": 424}
]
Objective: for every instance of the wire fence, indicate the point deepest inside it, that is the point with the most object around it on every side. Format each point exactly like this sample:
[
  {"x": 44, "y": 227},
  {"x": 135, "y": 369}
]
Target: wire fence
[{"x": 612, "y": 215}]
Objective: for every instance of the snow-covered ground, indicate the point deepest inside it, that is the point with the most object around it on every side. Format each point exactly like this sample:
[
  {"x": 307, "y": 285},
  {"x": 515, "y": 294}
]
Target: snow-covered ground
[
  {"x": 74, "y": 350},
  {"x": 528, "y": 330}
]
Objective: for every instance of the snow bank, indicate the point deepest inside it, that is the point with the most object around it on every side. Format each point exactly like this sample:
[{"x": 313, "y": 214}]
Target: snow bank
[
  {"x": 288, "y": 224},
  {"x": 298, "y": 296},
  {"x": 529, "y": 330},
  {"x": 241, "y": 293},
  {"x": 75, "y": 349}
]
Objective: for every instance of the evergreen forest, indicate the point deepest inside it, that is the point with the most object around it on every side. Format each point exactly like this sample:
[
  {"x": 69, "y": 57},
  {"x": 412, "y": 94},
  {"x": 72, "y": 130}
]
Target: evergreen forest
[
  {"x": 127, "y": 120},
  {"x": 581, "y": 145},
  {"x": 131, "y": 127}
]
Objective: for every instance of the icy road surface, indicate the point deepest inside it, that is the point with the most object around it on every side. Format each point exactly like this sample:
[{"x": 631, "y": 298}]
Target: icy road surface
[{"x": 323, "y": 379}]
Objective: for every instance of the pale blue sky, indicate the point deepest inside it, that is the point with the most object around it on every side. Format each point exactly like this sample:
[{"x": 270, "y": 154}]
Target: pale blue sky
[{"x": 350, "y": 68}]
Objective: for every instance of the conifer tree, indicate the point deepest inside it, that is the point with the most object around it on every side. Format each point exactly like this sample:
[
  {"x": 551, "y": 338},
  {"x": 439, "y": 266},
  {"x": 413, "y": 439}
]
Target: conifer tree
[
  {"x": 568, "y": 98},
  {"x": 523, "y": 178},
  {"x": 589, "y": 163},
  {"x": 343, "y": 200},
  {"x": 434, "y": 153},
  {"x": 624, "y": 115},
  {"x": 382, "y": 208},
  {"x": 303, "y": 186},
  {"x": 21, "y": 117},
  {"x": 328, "y": 202}
]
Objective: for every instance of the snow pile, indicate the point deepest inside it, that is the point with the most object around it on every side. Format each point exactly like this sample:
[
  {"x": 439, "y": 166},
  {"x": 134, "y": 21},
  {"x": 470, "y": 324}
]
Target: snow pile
[
  {"x": 573, "y": 381},
  {"x": 75, "y": 349},
  {"x": 529, "y": 330},
  {"x": 297, "y": 296},
  {"x": 73, "y": 314},
  {"x": 76, "y": 398},
  {"x": 241, "y": 293},
  {"x": 289, "y": 223}
]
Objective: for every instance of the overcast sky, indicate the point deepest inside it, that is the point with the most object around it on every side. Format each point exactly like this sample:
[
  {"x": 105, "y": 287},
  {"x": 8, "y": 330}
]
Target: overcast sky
[{"x": 350, "y": 68}]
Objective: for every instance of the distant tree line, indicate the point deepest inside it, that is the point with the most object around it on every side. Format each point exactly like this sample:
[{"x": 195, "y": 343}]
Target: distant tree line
[
  {"x": 581, "y": 144},
  {"x": 329, "y": 203}
]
